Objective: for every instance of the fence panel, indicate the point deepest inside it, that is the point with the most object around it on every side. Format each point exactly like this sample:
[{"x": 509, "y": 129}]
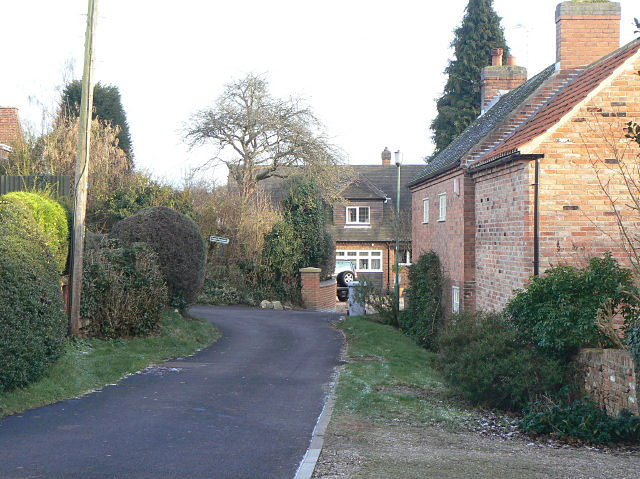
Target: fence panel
[{"x": 58, "y": 185}]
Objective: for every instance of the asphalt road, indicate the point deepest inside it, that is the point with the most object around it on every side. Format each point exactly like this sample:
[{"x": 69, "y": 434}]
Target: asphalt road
[{"x": 242, "y": 408}]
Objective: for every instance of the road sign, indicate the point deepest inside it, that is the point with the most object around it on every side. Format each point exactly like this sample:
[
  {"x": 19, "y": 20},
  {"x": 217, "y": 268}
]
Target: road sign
[{"x": 218, "y": 239}]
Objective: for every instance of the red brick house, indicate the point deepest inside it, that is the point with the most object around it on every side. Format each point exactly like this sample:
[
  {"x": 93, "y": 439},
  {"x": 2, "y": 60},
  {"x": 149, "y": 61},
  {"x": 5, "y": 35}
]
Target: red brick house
[
  {"x": 522, "y": 189},
  {"x": 10, "y": 130},
  {"x": 363, "y": 226}
]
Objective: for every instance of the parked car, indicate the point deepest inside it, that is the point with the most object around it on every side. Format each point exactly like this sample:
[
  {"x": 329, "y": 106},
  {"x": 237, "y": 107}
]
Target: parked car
[{"x": 344, "y": 273}]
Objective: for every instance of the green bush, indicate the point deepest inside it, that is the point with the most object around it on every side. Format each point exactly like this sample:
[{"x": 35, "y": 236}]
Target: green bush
[
  {"x": 557, "y": 311},
  {"x": 223, "y": 293},
  {"x": 52, "y": 220},
  {"x": 32, "y": 319},
  {"x": 582, "y": 420},
  {"x": 123, "y": 290},
  {"x": 300, "y": 240},
  {"x": 484, "y": 361},
  {"x": 423, "y": 315},
  {"x": 384, "y": 303},
  {"x": 179, "y": 244}
]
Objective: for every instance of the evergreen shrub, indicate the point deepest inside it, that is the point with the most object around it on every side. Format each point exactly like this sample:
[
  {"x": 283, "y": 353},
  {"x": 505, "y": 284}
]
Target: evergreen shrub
[
  {"x": 302, "y": 239},
  {"x": 179, "y": 244},
  {"x": 123, "y": 290},
  {"x": 52, "y": 220},
  {"x": 557, "y": 311},
  {"x": 32, "y": 321},
  {"x": 582, "y": 420},
  {"x": 423, "y": 316},
  {"x": 486, "y": 363}
]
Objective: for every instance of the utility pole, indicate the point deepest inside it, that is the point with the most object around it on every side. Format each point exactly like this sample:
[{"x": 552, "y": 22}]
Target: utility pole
[
  {"x": 82, "y": 171},
  {"x": 397, "y": 285}
]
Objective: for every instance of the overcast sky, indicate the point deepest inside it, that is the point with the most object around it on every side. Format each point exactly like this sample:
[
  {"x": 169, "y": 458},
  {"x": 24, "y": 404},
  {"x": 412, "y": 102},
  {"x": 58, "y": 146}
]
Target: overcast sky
[{"x": 371, "y": 70}]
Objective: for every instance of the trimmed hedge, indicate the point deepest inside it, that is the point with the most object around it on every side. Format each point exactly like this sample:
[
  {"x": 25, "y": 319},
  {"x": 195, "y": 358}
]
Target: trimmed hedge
[
  {"x": 179, "y": 244},
  {"x": 52, "y": 220},
  {"x": 123, "y": 290},
  {"x": 32, "y": 319}
]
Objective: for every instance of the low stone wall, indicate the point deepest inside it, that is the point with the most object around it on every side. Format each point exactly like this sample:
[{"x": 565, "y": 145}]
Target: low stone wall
[
  {"x": 608, "y": 377},
  {"x": 317, "y": 295}
]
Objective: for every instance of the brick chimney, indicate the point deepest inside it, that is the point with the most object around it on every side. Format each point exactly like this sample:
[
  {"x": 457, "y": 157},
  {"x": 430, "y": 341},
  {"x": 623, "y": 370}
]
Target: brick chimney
[
  {"x": 498, "y": 79},
  {"x": 386, "y": 156},
  {"x": 585, "y": 32}
]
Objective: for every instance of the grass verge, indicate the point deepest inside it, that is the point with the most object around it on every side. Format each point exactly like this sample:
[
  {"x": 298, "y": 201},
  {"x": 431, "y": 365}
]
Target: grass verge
[
  {"x": 92, "y": 363},
  {"x": 390, "y": 378}
]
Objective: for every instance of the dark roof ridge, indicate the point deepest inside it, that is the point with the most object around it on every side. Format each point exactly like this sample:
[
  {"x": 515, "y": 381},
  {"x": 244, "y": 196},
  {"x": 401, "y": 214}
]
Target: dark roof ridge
[{"x": 483, "y": 126}]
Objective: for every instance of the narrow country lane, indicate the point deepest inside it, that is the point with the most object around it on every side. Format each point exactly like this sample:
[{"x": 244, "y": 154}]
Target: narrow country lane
[{"x": 242, "y": 408}]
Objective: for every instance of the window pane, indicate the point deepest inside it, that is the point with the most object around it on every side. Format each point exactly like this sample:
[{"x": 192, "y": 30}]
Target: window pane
[
  {"x": 364, "y": 214},
  {"x": 425, "y": 212},
  {"x": 363, "y": 253},
  {"x": 352, "y": 215},
  {"x": 375, "y": 264},
  {"x": 351, "y": 253},
  {"x": 443, "y": 207},
  {"x": 364, "y": 264},
  {"x": 339, "y": 253},
  {"x": 376, "y": 253}
]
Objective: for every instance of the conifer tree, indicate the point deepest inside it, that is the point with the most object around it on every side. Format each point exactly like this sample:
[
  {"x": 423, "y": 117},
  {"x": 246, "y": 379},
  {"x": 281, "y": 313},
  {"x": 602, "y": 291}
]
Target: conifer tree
[
  {"x": 459, "y": 105},
  {"x": 107, "y": 106}
]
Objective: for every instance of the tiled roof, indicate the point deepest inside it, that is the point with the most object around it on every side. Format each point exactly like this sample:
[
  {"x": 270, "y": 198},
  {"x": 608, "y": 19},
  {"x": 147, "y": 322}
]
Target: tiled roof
[
  {"x": 384, "y": 178},
  {"x": 563, "y": 102},
  {"x": 452, "y": 155}
]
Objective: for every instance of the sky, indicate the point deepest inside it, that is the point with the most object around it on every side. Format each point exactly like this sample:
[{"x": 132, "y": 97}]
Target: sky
[{"x": 371, "y": 70}]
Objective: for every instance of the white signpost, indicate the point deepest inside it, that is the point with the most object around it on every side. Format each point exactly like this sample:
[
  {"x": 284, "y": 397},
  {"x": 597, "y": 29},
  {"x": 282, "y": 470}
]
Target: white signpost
[{"x": 218, "y": 239}]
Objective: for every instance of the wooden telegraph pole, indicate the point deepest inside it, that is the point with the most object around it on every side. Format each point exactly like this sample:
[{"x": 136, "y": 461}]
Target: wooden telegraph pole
[{"x": 82, "y": 171}]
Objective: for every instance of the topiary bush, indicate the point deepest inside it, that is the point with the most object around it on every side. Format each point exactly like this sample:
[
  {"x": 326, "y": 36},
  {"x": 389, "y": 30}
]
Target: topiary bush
[
  {"x": 32, "y": 320},
  {"x": 486, "y": 363},
  {"x": 582, "y": 420},
  {"x": 557, "y": 311},
  {"x": 52, "y": 219},
  {"x": 423, "y": 315},
  {"x": 123, "y": 290},
  {"x": 178, "y": 242}
]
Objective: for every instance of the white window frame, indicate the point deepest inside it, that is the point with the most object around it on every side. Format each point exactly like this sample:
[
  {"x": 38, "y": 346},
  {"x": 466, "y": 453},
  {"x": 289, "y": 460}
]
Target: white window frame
[
  {"x": 362, "y": 254},
  {"x": 425, "y": 211},
  {"x": 455, "y": 299},
  {"x": 357, "y": 221},
  {"x": 406, "y": 260},
  {"x": 442, "y": 203}
]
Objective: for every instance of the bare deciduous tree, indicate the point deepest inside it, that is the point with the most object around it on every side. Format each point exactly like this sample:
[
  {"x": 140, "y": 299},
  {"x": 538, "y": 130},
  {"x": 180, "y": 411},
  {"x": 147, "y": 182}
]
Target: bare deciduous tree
[{"x": 258, "y": 136}]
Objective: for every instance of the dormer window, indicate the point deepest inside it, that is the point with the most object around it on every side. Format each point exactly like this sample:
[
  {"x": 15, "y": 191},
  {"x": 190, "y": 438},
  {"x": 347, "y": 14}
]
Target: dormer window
[{"x": 358, "y": 215}]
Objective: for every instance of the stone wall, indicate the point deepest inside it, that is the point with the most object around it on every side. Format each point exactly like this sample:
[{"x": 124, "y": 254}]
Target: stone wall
[
  {"x": 317, "y": 295},
  {"x": 608, "y": 377}
]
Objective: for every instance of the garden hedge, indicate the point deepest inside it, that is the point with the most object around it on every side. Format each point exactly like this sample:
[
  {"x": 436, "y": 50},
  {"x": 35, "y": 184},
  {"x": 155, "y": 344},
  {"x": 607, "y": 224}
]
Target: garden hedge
[
  {"x": 123, "y": 290},
  {"x": 179, "y": 244},
  {"x": 52, "y": 219},
  {"x": 32, "y": 318}
]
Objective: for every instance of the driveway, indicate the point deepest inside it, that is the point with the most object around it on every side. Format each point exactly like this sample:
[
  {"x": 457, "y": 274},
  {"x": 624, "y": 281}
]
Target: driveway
[{"x": 242, "y": 408}]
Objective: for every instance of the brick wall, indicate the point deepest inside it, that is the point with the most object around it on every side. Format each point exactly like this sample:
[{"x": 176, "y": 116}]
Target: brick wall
[
  {"x": 10, "y": 129},
  {"x": 608, "y": 377},
  {"x": 317, "y": 295},
  {"x": 451, "y": 239},
  {"x": 585, "y": 32},
  {"x": 583, "y": 158},
  {"x": 504, "y": 236}
]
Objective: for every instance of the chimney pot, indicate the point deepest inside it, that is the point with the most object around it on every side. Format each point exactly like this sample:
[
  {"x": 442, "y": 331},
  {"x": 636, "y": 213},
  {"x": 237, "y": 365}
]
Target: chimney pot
[
  {"x": 496, "y": 57},
  {"x": 386, "y": 156},
  {"x": 511, "y": 61}
]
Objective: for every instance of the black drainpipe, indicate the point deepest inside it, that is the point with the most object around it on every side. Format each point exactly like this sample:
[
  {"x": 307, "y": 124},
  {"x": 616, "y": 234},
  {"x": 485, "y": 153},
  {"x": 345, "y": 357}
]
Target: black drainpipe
[
  {"x": 388, "y": 266},
  {"x": 536, "y": 221}
]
